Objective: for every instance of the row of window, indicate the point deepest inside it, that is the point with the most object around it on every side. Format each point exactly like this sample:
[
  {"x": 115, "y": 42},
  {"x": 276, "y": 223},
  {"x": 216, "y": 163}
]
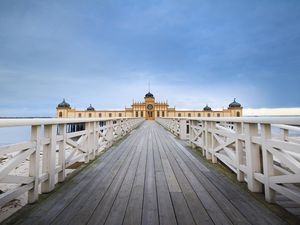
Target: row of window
[
  {"x": 142, "y": 114},
  {"x": 238, "y": 114},
  {"x": 198, "y": 115},
  {"x": 158, "y": 114},
  {"x": 90, "y": 114}
]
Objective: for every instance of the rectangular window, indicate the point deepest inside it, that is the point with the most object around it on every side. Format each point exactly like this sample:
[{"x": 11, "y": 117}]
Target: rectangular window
[
  {"x": 136, "y": 114},
  {"x": 142, "y": 114},
  {"x": 157, "y": 113},
  {"x": 163, "y": 113}
]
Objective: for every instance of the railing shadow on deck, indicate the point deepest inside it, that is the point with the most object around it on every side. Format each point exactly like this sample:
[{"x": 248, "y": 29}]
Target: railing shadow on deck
[
  {"x": 264, "y": 152},
  {"x": 54, "y": 146}
]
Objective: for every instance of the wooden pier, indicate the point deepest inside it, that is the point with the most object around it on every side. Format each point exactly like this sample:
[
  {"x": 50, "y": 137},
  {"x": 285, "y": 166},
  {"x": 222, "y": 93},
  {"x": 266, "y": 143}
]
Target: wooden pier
[{"x": 148, "y": 178}]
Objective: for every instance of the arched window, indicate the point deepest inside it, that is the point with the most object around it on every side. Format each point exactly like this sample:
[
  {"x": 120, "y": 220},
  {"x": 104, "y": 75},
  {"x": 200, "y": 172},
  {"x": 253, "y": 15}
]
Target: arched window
[
  {"x": 208, "y": 114},
  {"x": 90, "y": 114},
  {"x": 238, "y": 114},
  {"x": 189, "y": 115},
  {"x": 199, "y": 114},
  {"x": 100, "y": 115},
  {"x": 110, "y": 115},
  {"x": 60, "y": 114},
  {"x": 120, "y": 114},
  {"x": 218, "y": 115},
  {"x": 79, "y": 115},
  {"x": 179, "y": 114}
]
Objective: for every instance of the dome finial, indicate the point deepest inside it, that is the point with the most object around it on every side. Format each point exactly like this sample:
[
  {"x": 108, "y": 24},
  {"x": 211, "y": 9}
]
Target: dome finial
[
  {"x": 64, "y": 104},
  {"x": 234, "y": 104},
  {"x": 90, "y": 108}
]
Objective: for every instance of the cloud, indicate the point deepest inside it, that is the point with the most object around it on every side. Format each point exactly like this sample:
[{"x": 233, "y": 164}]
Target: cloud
[{"x": 104, "y": 53}]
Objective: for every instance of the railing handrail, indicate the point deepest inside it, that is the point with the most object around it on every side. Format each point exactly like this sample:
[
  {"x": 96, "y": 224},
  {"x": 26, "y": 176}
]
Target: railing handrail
[
  {"x": 36, "y": 122},
  {"x": 264, "y": 120}
]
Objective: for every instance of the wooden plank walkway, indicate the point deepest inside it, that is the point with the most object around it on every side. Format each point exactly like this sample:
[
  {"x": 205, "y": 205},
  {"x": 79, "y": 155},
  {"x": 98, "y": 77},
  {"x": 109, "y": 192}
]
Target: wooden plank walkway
[{"x": 149, "y": 178}]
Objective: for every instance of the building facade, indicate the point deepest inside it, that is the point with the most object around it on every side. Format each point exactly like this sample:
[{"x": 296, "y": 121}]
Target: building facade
[{"x": 149, "y": 109}]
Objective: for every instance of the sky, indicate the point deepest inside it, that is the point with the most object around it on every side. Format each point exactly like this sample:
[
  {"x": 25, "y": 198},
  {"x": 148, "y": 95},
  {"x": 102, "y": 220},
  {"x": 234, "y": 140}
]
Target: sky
[{"x": 104, "y": 53}]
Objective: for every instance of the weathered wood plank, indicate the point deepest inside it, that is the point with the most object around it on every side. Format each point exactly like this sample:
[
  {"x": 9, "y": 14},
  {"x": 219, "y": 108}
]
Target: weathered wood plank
[
  {"x": 197, "y": 210},
  {"x": 80, "y": 211},
  {"x": 107, "y": 194},
  {"x": 225, "y": 205},
  {"x": 165, "y": 206},
  {"x": 118, "y": 209},
  {"x": 150, "y": 209},
  {"x": 133, "y": 214}
]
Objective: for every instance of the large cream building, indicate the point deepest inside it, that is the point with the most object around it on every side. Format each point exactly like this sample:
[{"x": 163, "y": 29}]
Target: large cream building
[{"x": 149, "y": 109}]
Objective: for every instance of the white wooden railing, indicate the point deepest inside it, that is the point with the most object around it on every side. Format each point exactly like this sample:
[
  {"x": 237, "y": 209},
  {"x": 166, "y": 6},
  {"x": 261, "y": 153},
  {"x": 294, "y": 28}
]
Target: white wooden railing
[
  {"x": 264, "y": 152},
  {"x": 55, "y": 145}
]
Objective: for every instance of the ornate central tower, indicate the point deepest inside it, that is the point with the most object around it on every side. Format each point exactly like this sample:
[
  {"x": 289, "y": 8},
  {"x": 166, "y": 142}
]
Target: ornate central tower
[{"x": 150, "y": 104}]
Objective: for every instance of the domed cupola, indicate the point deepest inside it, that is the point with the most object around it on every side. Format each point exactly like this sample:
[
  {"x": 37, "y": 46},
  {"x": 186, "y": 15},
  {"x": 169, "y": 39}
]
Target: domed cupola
[
  {"x": 63, "y": 104},
  {"x": 207, "y": 108},
  {"x": 234, "y": 104},
  {"x": 149, "y": 95},
  {"x": 90, "y": 108}
]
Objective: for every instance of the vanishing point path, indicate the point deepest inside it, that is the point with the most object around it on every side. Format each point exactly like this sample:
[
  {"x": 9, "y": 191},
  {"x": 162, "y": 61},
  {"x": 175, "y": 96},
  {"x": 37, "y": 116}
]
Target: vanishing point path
[{"x": 148, "y": 178}]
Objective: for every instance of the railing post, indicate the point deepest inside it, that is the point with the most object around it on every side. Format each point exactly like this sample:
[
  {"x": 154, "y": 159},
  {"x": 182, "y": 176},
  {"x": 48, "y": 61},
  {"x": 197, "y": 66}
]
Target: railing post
[
  {"x": 93, "y": 140},
  {"x": 183, "y": 129},
  {"x": 239, "y": 152},
  {"x": 207, "y": 142},
  {"x": 110, "y": 132},
  {"x": 253, "y": 157},
  {"x": 87, "y": 144},
  {"x": 284, "y": 134},
  {"x": 213, "y": 141},
  {"x": 62, "y": 152},
  {"x": 34, "y": 164},
  {"x": 192, "y": 133},
  {"x": 267, "y": 162},
  {"x": 49, "y": 154}
]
